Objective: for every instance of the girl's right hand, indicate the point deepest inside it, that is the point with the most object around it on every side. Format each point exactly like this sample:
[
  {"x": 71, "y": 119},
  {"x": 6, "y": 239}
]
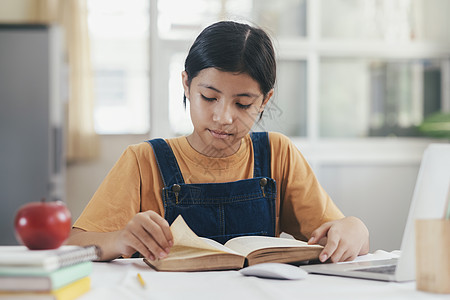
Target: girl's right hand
[{"x": 148, "y": 233}]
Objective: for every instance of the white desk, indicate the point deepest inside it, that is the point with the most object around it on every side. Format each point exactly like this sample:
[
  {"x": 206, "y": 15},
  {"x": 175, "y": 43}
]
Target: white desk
[{"x": 118, "y": 280}]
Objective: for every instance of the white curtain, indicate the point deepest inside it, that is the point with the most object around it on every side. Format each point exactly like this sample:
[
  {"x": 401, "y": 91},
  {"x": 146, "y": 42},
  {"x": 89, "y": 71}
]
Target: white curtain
[{"x": 71, "y": 15}]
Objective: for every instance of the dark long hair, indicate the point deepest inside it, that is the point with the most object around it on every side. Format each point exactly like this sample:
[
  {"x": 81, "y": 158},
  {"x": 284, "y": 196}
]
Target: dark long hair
[{"x": 233, "y": 47}]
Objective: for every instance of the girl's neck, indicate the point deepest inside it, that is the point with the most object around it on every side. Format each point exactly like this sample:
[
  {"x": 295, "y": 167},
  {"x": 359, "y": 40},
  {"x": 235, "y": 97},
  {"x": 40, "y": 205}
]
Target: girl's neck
[{"x": 210, "y": 150}]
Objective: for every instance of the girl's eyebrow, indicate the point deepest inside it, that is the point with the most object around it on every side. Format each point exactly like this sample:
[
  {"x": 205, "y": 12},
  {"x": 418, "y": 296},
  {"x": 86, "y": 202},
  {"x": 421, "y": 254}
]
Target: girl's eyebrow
[{"x": 250, "y": 95}]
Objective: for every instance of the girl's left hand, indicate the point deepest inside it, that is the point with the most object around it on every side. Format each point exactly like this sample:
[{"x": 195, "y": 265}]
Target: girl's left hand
[{"x": 343, "y": 239}]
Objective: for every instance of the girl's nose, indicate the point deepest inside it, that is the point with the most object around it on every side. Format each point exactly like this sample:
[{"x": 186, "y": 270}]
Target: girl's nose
[{"x": 223, "y": 114}]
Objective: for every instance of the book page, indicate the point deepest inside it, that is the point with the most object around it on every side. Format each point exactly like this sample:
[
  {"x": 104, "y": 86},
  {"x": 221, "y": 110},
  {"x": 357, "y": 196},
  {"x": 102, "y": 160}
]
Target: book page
[
  {"x": 184, "y": 237},
  {"x": 248, "y": 244},
  {"x": 183, "y": 252},
  {"x": 219, "y": 246}
]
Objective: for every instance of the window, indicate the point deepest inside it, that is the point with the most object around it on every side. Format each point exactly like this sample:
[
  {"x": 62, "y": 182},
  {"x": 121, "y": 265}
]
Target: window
[
  {"x": 378, "y": 97},
  {"x": 179, "y": 116},
  {"x": 174, "y": 23},
  {"x": 346, "y": 68},
  {"x": 119, "y": 32}
]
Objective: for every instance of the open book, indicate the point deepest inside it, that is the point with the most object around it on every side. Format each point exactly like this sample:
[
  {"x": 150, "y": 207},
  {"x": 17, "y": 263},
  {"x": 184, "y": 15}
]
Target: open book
[{"x": 193, "y": 253}]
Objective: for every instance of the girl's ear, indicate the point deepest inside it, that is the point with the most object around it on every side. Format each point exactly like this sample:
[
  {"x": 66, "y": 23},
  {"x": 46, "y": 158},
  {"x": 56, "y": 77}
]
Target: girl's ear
[
  {"x": 185, "y": 81},
  {"x": 266, "y": 100}
]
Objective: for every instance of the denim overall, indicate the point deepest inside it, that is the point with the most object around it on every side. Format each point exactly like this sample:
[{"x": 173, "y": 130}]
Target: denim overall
[{"x": 221, "y": 211}]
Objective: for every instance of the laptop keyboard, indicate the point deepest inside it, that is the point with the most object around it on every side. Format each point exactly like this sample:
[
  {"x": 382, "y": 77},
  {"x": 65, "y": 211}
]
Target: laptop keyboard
[{"x": 381, "y": 270}]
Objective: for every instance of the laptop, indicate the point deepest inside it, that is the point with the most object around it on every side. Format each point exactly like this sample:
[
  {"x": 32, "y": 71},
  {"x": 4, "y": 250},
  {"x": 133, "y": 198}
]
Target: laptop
[{"x": 428, "y": 202}]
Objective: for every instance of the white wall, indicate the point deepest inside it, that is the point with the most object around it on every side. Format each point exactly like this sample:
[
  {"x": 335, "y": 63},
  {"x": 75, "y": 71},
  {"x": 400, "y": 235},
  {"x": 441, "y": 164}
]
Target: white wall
[
  {"x": 379, "y": 194},
  {"x": 83, "y": 178},
  {"x": 372, "y": 179}
]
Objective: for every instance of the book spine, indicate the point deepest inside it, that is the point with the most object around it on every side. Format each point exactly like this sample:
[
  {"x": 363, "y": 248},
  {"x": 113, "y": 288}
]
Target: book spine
[
  {"x": 45, "y": 282},
  {"x": 68, "y": 292},
  {"x": 32, "y": 271},
  {"x": 70, "y": 274},
  {"x": 73, "y": 290}
]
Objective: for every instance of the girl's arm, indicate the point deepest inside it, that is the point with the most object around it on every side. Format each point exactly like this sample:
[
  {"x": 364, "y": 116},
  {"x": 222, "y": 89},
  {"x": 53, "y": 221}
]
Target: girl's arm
[{"x": 148, "y": 233}]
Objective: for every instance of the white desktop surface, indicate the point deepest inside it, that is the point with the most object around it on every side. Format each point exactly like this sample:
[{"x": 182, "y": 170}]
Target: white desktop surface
[{"x": 118, "y": 280}]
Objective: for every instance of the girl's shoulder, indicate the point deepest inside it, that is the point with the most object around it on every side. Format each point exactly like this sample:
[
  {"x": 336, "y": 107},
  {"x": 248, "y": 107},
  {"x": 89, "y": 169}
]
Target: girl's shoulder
[
  {"x": 277, "y": 136},
  {"x": 145, "y": 146},
  {"x": 279, "y": 140},
  {"x": 144, "y": 149},
  {"x": 283, "y": 147},
  {"x": 141, "y": 147},
  {"x": 136, "y": 152}
]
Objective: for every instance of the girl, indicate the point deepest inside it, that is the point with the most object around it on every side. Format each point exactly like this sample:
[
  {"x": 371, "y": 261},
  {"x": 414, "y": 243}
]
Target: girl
[{"x": 224, "y": 180}]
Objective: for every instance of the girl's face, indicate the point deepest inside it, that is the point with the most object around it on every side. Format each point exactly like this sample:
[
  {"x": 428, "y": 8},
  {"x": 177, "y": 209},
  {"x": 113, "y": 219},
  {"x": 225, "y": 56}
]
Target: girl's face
[{"x": 223, "y": 107}]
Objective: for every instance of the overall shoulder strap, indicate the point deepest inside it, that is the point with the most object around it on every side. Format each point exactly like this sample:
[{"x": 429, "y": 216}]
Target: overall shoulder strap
[
  {"x": 167, "y": 163},
  {"x": 261, "y": 152}
]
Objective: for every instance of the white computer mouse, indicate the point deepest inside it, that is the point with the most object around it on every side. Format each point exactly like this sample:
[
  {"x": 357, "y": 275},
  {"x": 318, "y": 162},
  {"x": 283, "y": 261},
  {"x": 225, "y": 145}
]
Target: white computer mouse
[{"x": 274, "y": 271}]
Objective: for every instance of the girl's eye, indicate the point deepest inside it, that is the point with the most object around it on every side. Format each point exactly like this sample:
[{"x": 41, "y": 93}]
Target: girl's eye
[
  {"x": 242, "y": 106},
  {"x": 208, "y": 99}
]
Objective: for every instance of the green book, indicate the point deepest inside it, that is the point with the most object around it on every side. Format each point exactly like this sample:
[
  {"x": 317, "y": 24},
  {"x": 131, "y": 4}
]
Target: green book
[{"x": 33, "y": 279}]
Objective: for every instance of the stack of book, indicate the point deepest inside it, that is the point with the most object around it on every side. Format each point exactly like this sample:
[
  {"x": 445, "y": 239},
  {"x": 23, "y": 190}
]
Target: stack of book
[{"x": 61, "y": 274}]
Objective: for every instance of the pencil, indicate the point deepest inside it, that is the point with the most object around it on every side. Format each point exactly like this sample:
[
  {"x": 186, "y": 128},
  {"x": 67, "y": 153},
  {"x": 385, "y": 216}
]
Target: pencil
[{"x": 141, "y": 281}]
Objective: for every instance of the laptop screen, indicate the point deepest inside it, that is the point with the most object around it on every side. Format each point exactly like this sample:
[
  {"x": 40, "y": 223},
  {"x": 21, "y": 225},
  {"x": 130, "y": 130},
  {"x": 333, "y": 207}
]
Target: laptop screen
[{"x": 429, "y": 201}]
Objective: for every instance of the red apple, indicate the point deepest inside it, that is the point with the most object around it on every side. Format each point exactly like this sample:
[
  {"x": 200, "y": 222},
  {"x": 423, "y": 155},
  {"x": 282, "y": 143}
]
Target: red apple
[{"x": 42, "y": 225}]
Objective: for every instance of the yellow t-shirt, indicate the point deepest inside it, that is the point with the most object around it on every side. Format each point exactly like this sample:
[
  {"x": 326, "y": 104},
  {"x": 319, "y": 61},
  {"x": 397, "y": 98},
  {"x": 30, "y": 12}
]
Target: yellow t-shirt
[{"x": 134, "y": 184}]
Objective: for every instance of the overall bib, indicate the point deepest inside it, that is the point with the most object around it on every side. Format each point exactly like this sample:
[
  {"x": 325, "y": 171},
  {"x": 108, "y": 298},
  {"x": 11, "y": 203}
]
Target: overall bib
[{"x": 221, "y": 211}]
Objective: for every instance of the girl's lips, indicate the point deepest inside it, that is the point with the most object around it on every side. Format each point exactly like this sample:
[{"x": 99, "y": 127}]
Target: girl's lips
[{"x": 219, "y": 134}]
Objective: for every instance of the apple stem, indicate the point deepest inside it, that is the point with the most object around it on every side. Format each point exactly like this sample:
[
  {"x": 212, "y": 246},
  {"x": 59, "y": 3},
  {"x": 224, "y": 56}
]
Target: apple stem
[{"x": 43, "y": 199}]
